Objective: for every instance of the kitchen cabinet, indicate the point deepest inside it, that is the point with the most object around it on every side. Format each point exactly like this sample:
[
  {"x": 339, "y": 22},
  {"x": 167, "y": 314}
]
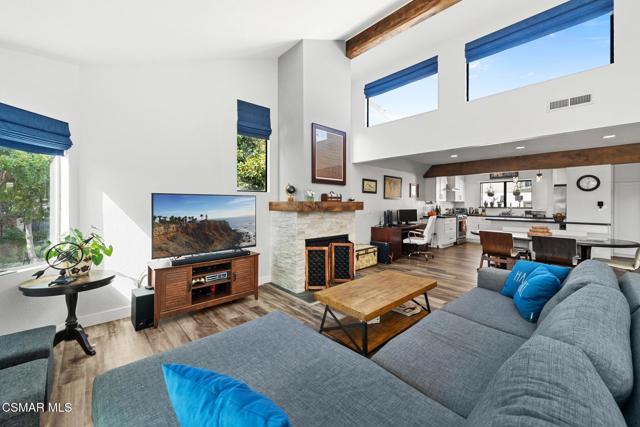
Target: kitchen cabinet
[
  {"x": 475, "y": 223},
  {"x": 441, "y": 189},
  {"x": 458, "y": 188},
  {"x": 446, "y": 229}
]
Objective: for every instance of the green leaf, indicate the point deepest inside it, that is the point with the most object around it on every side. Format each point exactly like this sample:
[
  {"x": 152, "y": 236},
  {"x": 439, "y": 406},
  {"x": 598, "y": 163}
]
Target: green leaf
[
  {"x": 108, "y": 251},
  {"x": 97, "y": 258}
]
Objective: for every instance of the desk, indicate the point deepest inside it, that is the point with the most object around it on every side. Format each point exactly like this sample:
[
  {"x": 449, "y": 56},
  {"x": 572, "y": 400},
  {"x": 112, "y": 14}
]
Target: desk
[
  {"x": 73, "y": 330},
  {"x": 393, "y": 235},
  {"x": 584, "y": 243}
]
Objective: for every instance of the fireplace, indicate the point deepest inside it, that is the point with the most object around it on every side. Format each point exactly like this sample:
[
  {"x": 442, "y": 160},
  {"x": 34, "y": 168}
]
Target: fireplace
[
  {"x": 326, "y": 241},
  {"x": 290, "y": 232}
]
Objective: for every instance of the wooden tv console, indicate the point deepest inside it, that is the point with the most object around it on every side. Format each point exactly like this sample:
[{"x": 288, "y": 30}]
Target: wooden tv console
[{"x": 175, "y": 293}]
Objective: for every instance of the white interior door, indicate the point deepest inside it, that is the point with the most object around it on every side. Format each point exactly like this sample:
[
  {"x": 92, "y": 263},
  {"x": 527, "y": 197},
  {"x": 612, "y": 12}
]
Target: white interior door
[{"x": 626, "y": 219}]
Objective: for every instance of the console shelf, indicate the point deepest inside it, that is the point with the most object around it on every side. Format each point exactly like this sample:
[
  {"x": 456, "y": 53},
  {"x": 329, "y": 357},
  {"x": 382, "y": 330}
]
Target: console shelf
[{"x": 175, "y": 293}]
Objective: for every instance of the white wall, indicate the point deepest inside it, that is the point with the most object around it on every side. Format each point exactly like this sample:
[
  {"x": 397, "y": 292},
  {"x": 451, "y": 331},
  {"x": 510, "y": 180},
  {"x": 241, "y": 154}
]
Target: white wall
[
  {"x": 168, "y": 128},
  {"x": 137, "y": 130},
  {"x": 375, "y": 204},
  {"x": 511, "y": 116},
  {"x": 626, "y": 194},
  {"x": 48, "y": 87},
  {"x": 582, "y": 205}
]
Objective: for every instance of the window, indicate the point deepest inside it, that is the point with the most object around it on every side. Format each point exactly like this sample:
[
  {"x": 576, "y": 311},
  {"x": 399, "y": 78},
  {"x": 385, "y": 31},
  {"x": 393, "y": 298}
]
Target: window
[
  {"x": 573, "y": 37},
  {"x": 252, "y": 163},
  {"x": 404, "y": 93},
  {"x": 254, "y": 130},
  {"x": 27, "y": 220},
  {"x": 507, "y": 194}
]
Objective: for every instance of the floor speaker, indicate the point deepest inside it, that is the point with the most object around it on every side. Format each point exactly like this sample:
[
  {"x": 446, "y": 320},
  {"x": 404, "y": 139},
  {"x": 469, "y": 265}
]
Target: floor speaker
[{"x": 142, "y": 308}]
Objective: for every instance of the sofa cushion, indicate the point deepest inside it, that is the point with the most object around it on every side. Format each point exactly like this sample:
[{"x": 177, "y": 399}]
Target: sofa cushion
[
  {"x": 631, "y": 409},
  {"x": 586, "y": 273},
  {"x": 24, "y": 383},
  {"x": 199, "y": 396},
  {"x": 596, "y": 319},
  {"x": 630, "y": 287},
  {"x": 316, "y": 381},
  {"x": 26, "y": 346},
  {"x": 523, "y": 268},
  {"x": 448, "y": 358},
  {"x": 534, "y": 292},
  {"x": 546, "y": 383},
  {"x": 491, "y": 309}
]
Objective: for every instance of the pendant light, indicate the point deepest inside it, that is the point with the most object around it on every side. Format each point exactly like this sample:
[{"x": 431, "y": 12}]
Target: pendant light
[{"x": 539, "y": 176}]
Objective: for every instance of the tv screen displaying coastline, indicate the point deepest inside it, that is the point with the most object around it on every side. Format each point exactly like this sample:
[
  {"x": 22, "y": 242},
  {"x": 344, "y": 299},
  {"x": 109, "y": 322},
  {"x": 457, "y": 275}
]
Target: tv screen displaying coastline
[{"x": 189, "y": 224}]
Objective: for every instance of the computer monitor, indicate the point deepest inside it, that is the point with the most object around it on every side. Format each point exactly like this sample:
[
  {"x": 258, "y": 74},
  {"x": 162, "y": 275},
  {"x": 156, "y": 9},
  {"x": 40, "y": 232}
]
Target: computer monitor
[{"x": 407, "y": 215}]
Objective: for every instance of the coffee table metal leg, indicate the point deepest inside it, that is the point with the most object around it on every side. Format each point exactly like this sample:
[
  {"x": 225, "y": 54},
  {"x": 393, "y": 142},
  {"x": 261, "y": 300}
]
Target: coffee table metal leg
[
  {"x": 428, "y": 307},
  {"x": 365, "y": 339},
  {"x": 324, "y": 317}
]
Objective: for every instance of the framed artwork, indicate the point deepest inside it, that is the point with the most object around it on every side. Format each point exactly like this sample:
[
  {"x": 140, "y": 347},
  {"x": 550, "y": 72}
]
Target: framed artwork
[
  {"x": 328, "y": 155},
  {"x": 392, "y": 187},
  {"x": 369, "y": 186},
  {"x": 414, "y": 190}
]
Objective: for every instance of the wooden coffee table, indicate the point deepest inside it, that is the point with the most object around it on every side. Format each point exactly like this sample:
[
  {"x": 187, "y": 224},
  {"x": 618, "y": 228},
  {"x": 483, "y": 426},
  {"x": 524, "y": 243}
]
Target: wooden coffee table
[{"x": 369, "y": 297}]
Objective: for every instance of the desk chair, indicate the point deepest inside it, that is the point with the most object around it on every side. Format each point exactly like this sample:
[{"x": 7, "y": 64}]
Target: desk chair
[
  {"x": 421, "y": 238},
  {"x": 628, "y": 264},
  {"x": 555, "y": 250},
  {"x": 497, "y": 248}
]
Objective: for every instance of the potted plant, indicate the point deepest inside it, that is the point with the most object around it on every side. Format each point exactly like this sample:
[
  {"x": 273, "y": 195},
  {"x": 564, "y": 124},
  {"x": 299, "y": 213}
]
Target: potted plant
[{"x": 94, "y": 249}]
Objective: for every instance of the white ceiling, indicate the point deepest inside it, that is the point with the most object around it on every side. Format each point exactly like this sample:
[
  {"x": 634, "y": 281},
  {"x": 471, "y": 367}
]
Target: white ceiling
[
  {"x": 165, "y": 30},
  {"x": 625, "y": 134}
]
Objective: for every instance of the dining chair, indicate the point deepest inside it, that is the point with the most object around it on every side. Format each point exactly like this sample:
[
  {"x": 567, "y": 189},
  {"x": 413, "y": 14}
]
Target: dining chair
[
  {"x": 497, "y": 248},
  {"x": 421, "y": 238},
  {"x": 555, "y": 250},
  {"x": 628, "y": 264}
]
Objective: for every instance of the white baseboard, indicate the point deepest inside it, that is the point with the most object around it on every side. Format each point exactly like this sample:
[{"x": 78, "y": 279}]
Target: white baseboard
[
  {"x": 102, "y": 317},
  {"x": 264, "y": 280}
]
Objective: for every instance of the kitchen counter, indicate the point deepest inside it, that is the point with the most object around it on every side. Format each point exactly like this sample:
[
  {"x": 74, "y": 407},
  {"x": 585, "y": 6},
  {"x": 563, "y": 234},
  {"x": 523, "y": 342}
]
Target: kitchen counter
[{"x": 546, "y": 220}]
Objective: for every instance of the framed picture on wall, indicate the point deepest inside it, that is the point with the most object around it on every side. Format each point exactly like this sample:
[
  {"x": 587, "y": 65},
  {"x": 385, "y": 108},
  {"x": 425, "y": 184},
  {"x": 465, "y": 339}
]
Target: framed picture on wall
[
  {"x": 414, "y": 190},
  {"x": 328, "y": 155},
  {"x": 369, "y": 186},
  {"x": 392, "y": 187}
]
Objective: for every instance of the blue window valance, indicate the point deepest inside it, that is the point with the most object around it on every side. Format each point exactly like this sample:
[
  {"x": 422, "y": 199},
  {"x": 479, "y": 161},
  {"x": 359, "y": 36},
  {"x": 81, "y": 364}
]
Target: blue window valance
[
  {"x": 400, "y": 78},
  {"x": 559, "y": 18},
  {"x": 254, "y": 120},
  {"x": 27, "y": 131}
]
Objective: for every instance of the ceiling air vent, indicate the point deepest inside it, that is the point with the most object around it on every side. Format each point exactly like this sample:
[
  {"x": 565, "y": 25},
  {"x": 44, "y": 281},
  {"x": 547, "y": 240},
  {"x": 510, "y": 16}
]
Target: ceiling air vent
[{"x": 570, "y": 102}]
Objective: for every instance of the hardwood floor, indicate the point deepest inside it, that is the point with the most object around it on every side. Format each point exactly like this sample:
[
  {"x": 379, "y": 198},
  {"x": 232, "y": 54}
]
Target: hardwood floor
[{"x": 118, "y": 344}]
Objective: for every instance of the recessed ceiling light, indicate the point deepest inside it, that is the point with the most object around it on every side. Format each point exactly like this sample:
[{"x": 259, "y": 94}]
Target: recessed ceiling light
[
  {"x": 520, "y": 147},
  {"x": 608, "y": 137},
  {"x": 453, "y": 156}
]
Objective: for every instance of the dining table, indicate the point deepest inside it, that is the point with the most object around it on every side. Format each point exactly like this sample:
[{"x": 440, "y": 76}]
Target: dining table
[{"x": 585, "y": 243}]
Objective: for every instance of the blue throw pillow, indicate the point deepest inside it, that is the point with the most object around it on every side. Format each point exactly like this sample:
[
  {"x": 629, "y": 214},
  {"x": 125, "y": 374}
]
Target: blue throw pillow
[
  {"x": 523, "y": 268},
  {"x": 206, "y": 398},
  {"x": 538, "y": 288}
]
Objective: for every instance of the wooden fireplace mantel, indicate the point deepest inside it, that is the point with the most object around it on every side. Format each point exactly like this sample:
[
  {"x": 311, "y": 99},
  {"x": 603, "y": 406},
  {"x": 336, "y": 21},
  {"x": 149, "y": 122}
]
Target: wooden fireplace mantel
[{"x": 316, "y": 206}]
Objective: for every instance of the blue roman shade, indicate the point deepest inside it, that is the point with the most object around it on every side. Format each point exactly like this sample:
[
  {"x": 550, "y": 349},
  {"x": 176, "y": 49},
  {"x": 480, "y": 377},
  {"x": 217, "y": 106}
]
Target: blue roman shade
[
  {"x": 400, "y": 78},
  {"x": 27, "y": 131},
  {"x": 561, "y": 17},
  {"x": 254, "y": 120}
]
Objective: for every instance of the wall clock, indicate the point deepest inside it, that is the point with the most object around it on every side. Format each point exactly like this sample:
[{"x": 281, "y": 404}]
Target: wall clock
[{"x": 588, "y": 182}]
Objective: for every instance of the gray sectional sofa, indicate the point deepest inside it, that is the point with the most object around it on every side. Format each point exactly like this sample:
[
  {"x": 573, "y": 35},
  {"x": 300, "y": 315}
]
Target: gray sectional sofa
[
  {"x": 26, "y": 374},
  {"x": 476, "y": 362}
]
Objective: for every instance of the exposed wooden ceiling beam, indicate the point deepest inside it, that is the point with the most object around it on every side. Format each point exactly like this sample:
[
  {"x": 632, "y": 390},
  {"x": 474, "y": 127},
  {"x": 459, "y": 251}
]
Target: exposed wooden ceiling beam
[
  {"x": 617, "y": 154},
  {"x": 402, "y": 19}
]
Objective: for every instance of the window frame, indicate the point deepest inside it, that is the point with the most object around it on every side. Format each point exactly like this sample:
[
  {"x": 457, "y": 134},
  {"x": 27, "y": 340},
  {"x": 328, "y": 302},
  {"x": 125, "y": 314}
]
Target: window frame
[
  {"x": 611, "y": 61},
  {"x": 58, "y": 194},
  {"x": 266, "y": 168},
  {"x": 437, "y": 99},
  {"x": 504, "y": 192}
]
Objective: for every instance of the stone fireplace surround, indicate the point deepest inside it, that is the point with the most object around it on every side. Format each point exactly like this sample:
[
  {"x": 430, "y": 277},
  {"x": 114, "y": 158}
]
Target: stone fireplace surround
[{"x": 290, "y": 228}]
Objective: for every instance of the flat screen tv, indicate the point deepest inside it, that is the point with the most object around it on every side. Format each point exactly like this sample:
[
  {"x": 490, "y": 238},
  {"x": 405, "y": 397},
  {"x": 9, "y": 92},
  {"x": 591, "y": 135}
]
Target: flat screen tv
[{"x": 190, "y": 224}]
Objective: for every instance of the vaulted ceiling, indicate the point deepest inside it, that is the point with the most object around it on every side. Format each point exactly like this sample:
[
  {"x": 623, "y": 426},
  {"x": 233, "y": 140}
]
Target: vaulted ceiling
[{"x": 164, "y": 30}]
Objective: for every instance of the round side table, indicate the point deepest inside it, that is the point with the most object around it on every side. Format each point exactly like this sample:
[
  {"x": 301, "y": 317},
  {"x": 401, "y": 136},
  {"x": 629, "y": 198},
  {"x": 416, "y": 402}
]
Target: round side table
[{"x": 73, "y": 330}]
